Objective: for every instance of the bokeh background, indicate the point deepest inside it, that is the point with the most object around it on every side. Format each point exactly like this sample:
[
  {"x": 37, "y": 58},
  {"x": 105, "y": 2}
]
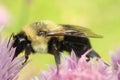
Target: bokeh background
[{"x": 102, "y": 16}]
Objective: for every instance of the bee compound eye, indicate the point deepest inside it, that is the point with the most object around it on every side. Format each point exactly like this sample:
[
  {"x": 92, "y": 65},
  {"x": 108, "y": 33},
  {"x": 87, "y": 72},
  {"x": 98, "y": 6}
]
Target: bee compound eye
[{"x": 41, "y": 33}]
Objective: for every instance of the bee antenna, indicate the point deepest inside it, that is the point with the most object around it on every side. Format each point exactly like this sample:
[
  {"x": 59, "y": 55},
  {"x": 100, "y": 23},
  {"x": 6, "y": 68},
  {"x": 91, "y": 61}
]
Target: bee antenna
[{"x": 12, "y": 35}]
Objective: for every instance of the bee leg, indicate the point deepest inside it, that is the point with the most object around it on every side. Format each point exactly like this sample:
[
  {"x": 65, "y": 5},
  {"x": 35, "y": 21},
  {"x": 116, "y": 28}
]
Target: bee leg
[
  {"x": 12, "y": 35},
  {"x": 54, "y": 48},
  {"x": 56, "y": 56},
  {"x": 27, "y": 53},
  {"x": 92, "y": 54},
  {"x": 57, "y": 60}
]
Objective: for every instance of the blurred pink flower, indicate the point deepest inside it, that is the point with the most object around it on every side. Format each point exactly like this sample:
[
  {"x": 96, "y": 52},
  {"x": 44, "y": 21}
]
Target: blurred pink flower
[
  {"x": 9, "y": 68},
  {"x": 4, "y": 17}
]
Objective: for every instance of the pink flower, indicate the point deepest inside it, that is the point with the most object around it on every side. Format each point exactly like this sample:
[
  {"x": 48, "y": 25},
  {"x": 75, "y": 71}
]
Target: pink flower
[
  {"x": 9, "y": 68},
  {"x": 73, "y": 69},
  {"x": 95, "y": 69},
  {"x": 115, "y": 63}
]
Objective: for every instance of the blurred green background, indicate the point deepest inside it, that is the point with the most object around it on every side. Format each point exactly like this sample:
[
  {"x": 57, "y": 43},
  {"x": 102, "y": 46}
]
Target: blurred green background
[{"x": 102, "y": 16}]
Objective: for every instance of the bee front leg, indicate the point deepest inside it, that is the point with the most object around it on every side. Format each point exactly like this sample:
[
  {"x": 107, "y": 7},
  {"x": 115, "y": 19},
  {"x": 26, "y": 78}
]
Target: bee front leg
[{"x": 27, "y": 53}]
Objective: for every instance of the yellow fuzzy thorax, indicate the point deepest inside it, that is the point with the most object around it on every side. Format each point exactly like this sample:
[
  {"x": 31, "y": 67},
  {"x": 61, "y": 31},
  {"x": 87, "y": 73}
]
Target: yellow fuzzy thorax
[{"x": 39, "y": 43}]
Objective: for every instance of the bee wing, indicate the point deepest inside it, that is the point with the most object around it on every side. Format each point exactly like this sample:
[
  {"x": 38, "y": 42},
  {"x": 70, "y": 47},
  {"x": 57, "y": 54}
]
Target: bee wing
[
  {"x": 85, "y": 32},
  {"x": 72, "y": 30}
]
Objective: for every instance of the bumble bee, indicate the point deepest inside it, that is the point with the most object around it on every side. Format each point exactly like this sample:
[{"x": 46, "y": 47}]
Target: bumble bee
[{"x": 49, "y": 37}]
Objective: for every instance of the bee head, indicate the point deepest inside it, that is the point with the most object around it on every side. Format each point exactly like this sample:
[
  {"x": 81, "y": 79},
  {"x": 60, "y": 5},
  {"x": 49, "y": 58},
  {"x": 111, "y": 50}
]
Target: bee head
[{"x": 20, "y": 42}]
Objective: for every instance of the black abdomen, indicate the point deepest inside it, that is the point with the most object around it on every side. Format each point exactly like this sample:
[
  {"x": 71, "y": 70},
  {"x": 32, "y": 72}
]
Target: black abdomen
[{"x": 79, "y": 44}]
